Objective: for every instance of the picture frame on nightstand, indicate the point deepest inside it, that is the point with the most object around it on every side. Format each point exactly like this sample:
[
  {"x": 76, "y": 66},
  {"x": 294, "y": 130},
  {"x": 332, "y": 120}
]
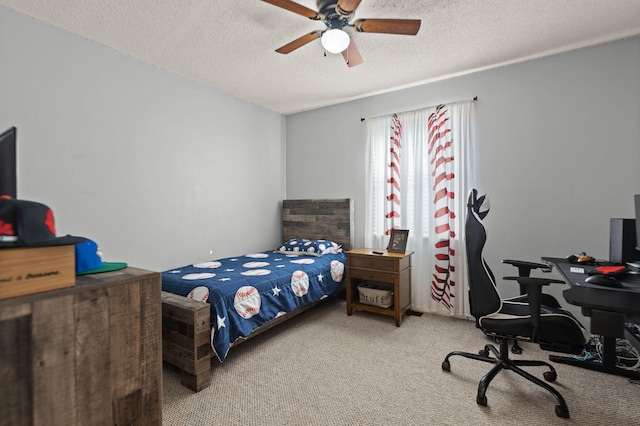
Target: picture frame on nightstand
[{"x": 398, "y": 241}]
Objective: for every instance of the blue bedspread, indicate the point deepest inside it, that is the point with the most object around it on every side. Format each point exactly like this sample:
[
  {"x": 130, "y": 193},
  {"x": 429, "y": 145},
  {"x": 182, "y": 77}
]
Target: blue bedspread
[{"x": 247, "y": 291}]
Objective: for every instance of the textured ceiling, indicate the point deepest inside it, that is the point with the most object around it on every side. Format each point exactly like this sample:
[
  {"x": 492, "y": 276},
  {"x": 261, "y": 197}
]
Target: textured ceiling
[{"x": 230, "y": 44}]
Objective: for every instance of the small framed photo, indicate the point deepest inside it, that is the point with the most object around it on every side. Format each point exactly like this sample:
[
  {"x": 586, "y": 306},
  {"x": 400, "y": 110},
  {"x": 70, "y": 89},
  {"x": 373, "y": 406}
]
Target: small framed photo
[{"x": 398, "y": 241}]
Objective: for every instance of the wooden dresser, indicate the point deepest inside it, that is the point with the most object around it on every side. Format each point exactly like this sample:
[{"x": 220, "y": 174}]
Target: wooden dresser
[
  {"x": 379, "y": 266},
  {"x": 85, "y": 355}
]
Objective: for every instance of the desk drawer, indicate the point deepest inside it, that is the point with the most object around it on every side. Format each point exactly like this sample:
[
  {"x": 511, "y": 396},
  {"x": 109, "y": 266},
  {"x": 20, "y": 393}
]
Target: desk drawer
[
  {"x": 369, "y": 262},
  {"x": 370, "y": 275}
]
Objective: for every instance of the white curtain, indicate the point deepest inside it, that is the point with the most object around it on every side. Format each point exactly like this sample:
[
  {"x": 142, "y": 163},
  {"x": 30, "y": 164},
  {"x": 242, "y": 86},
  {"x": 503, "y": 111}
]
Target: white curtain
[{"x": 418, "y": 176}]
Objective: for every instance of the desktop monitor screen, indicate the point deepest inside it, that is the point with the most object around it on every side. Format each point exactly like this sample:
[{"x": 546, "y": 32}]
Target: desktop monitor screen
[
  {"x": 8, "y": 173},
  {"x": 637, "y": 200}
]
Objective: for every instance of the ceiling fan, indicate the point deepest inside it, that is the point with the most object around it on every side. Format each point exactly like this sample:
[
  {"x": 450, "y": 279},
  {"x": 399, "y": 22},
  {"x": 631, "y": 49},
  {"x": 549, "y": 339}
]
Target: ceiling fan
[{"x": 336, "y": 16}]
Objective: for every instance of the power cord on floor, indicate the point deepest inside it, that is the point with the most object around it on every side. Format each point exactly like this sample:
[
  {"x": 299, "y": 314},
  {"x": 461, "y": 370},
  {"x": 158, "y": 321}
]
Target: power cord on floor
[
  {"x": 627, "y": 356},
  {"x": 634, "y": 329}
]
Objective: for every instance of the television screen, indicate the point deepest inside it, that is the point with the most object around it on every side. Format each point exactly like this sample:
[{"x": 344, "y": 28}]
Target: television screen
[{"x": 8, "y": 170}]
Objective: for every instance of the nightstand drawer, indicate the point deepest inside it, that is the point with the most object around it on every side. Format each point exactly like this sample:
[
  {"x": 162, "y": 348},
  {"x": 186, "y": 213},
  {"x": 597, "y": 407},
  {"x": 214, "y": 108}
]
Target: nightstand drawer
[
  {"x": 370, "y": 275},
  {"x": 369, "y": 262}
]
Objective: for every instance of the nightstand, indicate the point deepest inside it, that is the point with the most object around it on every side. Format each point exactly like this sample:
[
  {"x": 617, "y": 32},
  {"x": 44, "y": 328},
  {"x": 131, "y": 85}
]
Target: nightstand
[{"x": 392, "y": 270}]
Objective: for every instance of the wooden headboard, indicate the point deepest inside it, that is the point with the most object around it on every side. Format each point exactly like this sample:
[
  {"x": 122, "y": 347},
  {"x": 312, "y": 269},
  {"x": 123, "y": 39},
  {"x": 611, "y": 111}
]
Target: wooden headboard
[{"x": 330, "y": 219}]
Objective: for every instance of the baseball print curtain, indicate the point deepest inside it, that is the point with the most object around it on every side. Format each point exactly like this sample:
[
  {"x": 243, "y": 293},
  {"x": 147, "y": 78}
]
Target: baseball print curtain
[{"x": 418, "y": 177}]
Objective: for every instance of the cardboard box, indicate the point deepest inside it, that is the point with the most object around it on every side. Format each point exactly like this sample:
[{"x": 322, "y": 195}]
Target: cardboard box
[{"x": 29, "y": 270}]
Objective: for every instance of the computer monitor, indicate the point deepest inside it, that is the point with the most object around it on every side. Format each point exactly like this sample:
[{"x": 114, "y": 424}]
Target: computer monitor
[
  {"x": 8, "y": 169},
  {"x": 637, "y": 200}
]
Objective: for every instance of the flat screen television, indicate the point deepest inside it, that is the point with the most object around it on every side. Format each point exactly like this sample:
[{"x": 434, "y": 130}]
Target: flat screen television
[{"x": 8, "y": 169}]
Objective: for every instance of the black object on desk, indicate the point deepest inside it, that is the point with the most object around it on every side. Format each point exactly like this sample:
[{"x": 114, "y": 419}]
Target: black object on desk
[
  {"x": 609, "y": 308},
  {"x": 605, "y": 280}
]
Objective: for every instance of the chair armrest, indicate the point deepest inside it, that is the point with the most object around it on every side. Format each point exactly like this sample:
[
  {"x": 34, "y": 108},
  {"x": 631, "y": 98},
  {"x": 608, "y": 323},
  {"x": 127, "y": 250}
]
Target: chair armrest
[
  {"x": 524, "y": 267},
  {"x": 533, "y": 287},
  {"x": 534, "y": 281}
]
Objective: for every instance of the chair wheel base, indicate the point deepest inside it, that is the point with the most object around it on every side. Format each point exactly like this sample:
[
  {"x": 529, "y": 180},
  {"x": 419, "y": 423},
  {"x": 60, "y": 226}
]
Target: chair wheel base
[
  {"x": 501, "y": 362},
  {"x": 562, "y": 412},
  {"x": 516, "y": 349},
  {"x": 482, "y": 400}
]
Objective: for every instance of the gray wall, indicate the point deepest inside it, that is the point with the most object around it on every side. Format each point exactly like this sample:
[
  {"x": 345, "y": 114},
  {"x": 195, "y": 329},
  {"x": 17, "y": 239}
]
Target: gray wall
[
  {"x": 558, "y": 149},
  {"x": 158, "y": 170},
  {"x": 162, "y": 171}
]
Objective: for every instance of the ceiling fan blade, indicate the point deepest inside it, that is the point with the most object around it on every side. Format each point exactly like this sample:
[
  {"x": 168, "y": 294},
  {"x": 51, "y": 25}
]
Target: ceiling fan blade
[
  {"x": 347, "y": 7},
  {"x": 299, "y": 42},
  {"x": 352, "y": 55},
  {"x": 388, "y": 26},
  {"x": 297, "y": 8}
]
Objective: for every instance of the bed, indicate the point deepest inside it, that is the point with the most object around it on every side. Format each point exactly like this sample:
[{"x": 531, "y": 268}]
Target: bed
[{"x": 209, "y": 308}]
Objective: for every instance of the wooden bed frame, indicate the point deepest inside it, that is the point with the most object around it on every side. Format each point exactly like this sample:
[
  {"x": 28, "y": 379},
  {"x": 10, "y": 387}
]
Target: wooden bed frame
[{"x": 186, "y": 329}]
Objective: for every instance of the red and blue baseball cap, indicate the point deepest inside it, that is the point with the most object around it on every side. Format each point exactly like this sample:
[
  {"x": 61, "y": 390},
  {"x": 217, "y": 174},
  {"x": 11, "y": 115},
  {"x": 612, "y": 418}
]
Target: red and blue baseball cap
[
  {"x": 89, "y": 259},
  {"x": 26, "y": 223}
]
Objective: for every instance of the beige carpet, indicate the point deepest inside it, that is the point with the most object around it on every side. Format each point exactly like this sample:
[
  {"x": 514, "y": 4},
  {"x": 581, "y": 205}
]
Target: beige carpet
[{"x": 326, "y": 368}]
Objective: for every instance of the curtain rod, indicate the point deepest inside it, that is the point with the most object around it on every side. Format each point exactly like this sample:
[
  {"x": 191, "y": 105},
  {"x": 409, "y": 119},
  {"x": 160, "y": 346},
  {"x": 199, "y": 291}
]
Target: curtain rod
[{"x": 474, "y": 99}]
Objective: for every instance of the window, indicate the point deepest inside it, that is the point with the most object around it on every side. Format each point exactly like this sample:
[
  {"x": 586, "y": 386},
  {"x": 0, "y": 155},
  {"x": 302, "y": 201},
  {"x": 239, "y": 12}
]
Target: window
[{"x": 419, "y": 173}]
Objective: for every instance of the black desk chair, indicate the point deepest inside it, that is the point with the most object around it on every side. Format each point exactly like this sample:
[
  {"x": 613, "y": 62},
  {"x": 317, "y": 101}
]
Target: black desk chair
[
  {"x": 523, "y": 318},
  {"x": 524, "y": 270}
]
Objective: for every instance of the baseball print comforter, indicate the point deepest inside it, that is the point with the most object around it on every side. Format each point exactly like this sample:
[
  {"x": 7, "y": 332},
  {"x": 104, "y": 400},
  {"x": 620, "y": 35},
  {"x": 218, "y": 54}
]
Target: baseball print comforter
[{"x": 247, "y": 291}]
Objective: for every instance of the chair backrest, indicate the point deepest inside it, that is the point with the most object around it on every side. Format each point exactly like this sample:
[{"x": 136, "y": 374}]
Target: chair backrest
[{"x": 483, "y": 295}]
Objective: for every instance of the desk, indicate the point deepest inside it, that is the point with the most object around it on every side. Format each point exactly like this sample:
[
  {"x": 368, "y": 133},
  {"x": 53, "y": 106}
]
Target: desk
[{"x": 609, "y": 309}]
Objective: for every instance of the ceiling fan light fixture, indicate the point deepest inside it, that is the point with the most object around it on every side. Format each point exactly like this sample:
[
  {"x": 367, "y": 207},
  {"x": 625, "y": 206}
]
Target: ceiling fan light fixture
[{"x": 335, "y": 40}]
